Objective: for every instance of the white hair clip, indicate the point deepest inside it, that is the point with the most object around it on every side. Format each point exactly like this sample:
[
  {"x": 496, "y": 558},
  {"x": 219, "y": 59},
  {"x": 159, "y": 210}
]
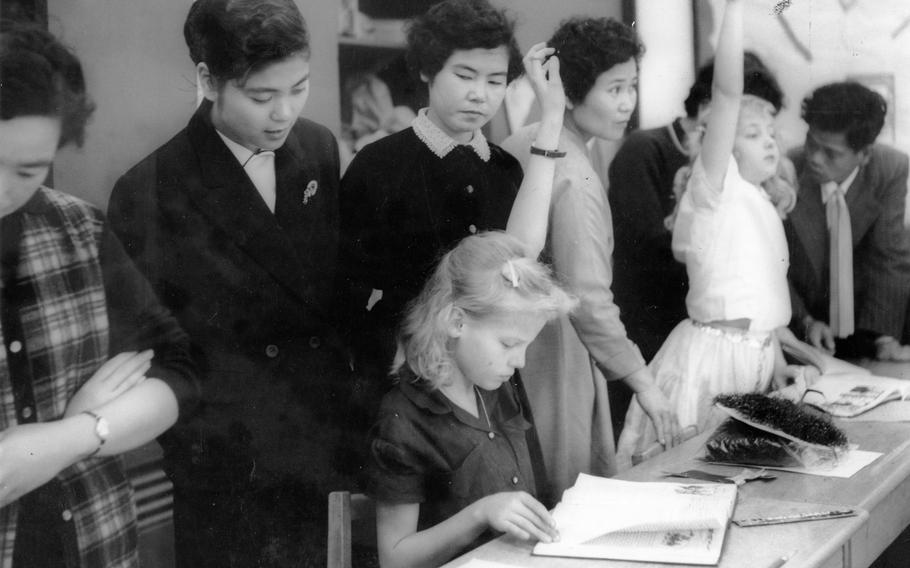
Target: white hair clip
[{"x": 510, "y": 274}]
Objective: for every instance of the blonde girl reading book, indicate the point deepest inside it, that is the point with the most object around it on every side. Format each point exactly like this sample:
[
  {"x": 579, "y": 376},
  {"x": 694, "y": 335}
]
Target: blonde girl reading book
[
  {"x": 729, "y": 233},
  {"x": 453, "y": 453}
]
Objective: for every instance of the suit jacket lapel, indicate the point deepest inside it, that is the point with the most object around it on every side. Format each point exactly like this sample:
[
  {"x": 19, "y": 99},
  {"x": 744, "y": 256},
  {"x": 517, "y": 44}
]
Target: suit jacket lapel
[
  {"x": 862, "y": 203},
  {"x": 230, "y": 200}
]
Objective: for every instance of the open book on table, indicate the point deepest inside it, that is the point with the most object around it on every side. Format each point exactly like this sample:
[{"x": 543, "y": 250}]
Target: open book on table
[
  {"x": 844, "y": 389},
  {"x": 681, "y": 523}
]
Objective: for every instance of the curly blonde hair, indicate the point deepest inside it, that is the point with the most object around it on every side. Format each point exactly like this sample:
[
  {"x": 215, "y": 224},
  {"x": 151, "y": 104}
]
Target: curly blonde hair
[{"x": 486, "y": 275}]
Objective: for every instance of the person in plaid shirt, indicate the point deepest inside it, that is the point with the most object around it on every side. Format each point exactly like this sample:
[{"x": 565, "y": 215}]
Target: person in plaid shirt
[{"x": 69, "y": 299}]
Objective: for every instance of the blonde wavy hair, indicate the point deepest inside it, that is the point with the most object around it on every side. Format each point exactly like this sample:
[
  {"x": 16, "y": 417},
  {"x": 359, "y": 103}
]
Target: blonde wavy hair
[
  {"x": 781, "y": 187},
  {"x": 486, "y": 275}
]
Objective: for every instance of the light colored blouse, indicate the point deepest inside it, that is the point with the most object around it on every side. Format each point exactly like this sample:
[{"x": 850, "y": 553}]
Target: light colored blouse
[{"x": 733, "y": 243}]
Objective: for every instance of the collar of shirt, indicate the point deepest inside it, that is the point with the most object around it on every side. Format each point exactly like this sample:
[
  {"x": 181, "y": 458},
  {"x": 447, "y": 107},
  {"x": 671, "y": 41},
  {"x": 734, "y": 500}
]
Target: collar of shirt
[
  {"x": 441, "y": 143},
  {"x": 830, "y": 187},
  {"x": 242, "y": 153},
  {"x": 423, "y": 396}
]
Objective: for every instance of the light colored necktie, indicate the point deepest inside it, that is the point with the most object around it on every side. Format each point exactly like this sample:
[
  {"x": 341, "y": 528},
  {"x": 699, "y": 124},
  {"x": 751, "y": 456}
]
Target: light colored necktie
[
  {"x": 840, "y": 260},
  {"x": 261, "y": 169}
]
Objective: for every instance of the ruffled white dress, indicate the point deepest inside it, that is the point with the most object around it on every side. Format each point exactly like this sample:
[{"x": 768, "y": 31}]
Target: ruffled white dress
[{"x": 733, "y": 244}]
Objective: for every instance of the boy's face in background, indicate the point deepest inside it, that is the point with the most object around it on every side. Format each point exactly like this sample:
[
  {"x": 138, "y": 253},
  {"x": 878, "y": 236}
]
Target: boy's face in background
[
  {"x": 468, "y": 90},
  {"x": 829, "y": 157},
  {"x": 259, "y": 110},
  {"x": 28, "y": 145}
]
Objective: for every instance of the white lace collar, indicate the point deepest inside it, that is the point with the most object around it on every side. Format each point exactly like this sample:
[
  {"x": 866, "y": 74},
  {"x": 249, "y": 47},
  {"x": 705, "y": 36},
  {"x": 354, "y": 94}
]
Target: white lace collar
[{"x": 441, "y": 143}]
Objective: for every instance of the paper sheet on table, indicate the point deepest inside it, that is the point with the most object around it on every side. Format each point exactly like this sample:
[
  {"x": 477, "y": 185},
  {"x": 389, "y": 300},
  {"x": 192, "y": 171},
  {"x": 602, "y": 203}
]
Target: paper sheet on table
[
  {"x": 894, "y": 411},
  {"x": 475, "y": 563},
  {"x": 847, "y": 466}
]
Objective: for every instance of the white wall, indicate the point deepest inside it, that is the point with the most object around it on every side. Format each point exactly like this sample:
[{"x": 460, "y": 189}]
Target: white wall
[
  {"x": 667, "y": 69},
  {"x": 863, "y": 39}
]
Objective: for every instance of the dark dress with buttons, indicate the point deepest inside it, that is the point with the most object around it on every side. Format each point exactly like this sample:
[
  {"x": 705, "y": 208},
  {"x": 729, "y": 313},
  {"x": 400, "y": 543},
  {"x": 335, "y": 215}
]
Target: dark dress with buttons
[
  {"x": 402, "y": 208},
  {"x": 425, "y": 449},
  {"x": 253, "y": 289}
]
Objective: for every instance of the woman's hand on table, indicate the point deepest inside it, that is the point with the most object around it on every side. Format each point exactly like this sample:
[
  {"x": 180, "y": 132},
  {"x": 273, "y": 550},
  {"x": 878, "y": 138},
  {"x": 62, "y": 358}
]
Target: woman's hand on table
[
  {"x": 658, "y": 408},
  {"x": 519, "y": 514},
  {"x": 656, "y": 405}
]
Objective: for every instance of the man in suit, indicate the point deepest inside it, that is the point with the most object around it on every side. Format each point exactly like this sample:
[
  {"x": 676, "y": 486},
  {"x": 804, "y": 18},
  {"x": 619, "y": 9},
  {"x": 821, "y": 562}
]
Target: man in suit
[
  {"x": 235, "y": 223},
  {"x": 850, "y": 204}
]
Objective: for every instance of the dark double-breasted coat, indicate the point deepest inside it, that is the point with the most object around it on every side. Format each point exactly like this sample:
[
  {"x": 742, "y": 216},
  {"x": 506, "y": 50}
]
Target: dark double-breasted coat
[{"x": 255, "y": 297}]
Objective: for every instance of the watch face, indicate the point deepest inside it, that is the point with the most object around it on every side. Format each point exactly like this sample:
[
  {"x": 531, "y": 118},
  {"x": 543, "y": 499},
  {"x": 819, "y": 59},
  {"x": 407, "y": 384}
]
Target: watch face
[{"x": 102, "y": 429}]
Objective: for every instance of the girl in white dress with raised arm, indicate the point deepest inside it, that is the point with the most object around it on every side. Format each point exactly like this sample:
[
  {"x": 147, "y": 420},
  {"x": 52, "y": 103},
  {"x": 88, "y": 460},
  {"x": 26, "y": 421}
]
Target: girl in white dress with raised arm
[{"x": 729, "y": 233}]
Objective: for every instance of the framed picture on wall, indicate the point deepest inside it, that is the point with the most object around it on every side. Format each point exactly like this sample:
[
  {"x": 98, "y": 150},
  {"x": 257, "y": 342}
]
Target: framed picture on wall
[{"x": 883, "y": 84}]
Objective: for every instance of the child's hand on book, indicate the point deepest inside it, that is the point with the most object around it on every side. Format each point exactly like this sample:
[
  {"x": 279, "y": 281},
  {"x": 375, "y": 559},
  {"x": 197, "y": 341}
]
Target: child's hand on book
[{"x": 518, "y": 514}]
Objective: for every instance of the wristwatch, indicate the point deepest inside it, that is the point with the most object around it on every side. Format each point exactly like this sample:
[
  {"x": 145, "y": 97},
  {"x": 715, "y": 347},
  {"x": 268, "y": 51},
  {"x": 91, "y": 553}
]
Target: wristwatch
[{"x": 102, "y": 430}]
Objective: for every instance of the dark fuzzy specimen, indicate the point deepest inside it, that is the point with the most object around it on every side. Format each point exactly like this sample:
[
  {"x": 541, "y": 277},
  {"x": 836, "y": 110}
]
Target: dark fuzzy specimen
[{"x": 785, "y": 416}]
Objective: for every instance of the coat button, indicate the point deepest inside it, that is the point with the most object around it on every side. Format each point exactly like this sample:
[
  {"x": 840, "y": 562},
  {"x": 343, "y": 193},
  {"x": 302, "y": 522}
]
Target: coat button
[
  {"x": 27, "y": 412},
  {"x": 469, "y": 189},
  {"x": 514, "y": 480},
  {"x": 491, "y": 435},
  {"x": 67, "y": 515},
  {"x": 271, "y": 351},
  {"x": 315, "y": 342},
  {"x": 15, "y": 346},
  {"x": 472, "y": 229}
]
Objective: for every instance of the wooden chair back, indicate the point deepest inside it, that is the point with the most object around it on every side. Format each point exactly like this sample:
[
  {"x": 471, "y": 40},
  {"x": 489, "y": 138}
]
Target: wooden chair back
[{"x": 352, "y": 519}]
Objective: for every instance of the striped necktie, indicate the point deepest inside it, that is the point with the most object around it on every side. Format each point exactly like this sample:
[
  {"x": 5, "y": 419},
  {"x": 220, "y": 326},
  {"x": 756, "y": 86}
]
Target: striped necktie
[{"x": 840, "y": 260}]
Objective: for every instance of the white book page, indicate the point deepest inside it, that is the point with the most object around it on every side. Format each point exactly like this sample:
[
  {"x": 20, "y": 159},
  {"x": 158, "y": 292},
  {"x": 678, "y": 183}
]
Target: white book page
[
  {"x": 679, "y": 546},
  {"x": 597, "y": 506},
  {"x": 850, "y": 394}
]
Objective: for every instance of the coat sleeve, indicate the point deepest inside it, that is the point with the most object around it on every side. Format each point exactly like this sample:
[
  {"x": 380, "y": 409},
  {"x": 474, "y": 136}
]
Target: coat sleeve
[
  {"x": 884, "y": 254},
  {"x": 138, "y": 321},
  {"x": 582, "y": 244}
]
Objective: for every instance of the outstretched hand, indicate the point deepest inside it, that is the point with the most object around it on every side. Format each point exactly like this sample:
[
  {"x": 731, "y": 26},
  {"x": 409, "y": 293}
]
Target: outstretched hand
[
  {"x": 118, "y": 375},
  {"x": 542, "y": 68},
  {"x": 518, "y": 514}
]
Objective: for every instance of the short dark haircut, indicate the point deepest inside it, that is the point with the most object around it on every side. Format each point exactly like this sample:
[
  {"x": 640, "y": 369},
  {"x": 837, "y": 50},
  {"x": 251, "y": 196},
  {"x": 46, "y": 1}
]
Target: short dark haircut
[
  {"x": 41, "y": 77},
  {"x": 237, "y": 37},
  {"x": 758, "y": 81},
  {"x": 459, "y": 25},
  {"x": 848, "y": 107},
  {"x": 588, "y": 47}
]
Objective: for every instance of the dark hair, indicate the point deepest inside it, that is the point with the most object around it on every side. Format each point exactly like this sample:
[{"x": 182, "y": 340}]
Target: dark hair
[
  {"x": 758, "y": 81},
  {"x": 588, "y": 47},
  {"x": 237, "y": 37},
  {"x": 847, "y": 107},
  {"x": 459, "y": 25},
  {"x": 41, "y": 77}
]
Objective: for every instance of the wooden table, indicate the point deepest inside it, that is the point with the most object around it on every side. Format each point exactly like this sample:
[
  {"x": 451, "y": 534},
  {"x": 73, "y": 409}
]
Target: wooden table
[{"x": 881, "y": 491}]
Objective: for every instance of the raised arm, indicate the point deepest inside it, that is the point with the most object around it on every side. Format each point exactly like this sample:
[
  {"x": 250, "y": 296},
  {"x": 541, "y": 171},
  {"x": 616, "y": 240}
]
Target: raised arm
[
  {"x": 726, "y": 96},
  {"x": 528, "y": 219}
]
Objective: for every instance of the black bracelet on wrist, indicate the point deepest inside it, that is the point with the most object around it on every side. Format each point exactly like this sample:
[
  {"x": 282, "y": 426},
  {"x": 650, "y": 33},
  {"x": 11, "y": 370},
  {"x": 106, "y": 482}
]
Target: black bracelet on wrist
[{"x": 547, "y": 153}]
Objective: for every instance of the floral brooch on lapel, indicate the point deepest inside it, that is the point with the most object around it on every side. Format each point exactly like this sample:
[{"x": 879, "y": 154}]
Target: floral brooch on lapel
[{"x": 310, "y": 190}]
